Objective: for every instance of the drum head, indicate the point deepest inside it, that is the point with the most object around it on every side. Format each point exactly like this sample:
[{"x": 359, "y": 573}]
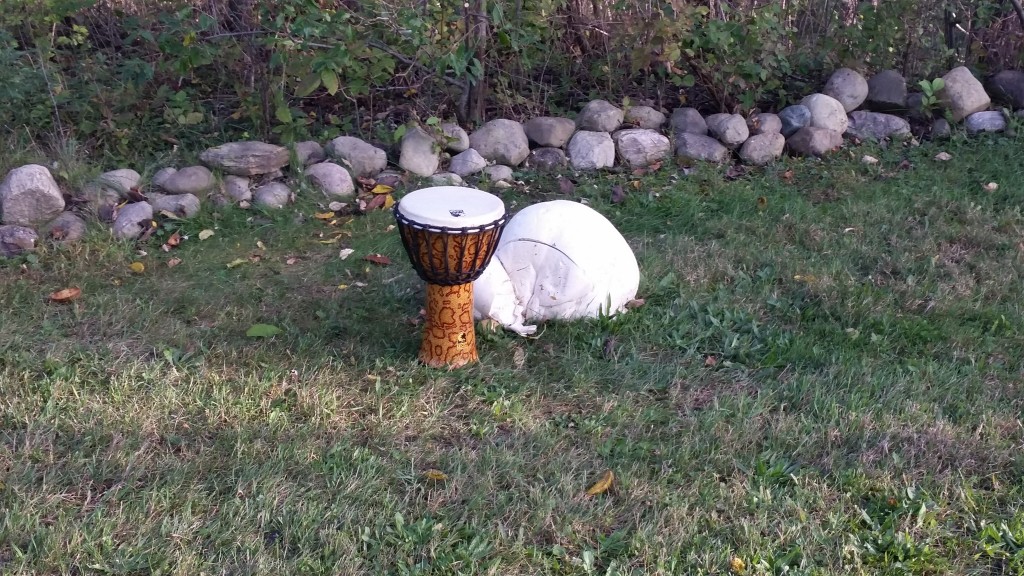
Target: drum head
[{"x": 451, "y": 207}]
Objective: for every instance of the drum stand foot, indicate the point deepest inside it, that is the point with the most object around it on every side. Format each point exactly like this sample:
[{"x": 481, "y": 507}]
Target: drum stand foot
[{"x": 449, "y": 338}]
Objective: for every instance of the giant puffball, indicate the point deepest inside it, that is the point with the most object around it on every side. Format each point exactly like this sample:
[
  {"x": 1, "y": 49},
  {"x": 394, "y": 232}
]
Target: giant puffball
[{"x": 557, "y": 260}]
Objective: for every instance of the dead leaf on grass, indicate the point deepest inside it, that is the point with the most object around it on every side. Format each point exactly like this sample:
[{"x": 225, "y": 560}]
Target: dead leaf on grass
[
  {"x": 378, "y": 259},
  {"x": 137, "y": 267},
  {"x": 788, "y": 175},
  {"x": 602, "y": 485},
  {"x": 435, "y": 475},
  {"x": 635, "y": 303},
  {"x": 173, "y": 262},
  {"x": 206, "y": 234},
  {"x": 382, "y": 189},
  {"x": 66, "y": 295},
  {"x": 943, "y": 156},
  {"x": 345, "y": 253},
  {"x": 236, "y": 263}
]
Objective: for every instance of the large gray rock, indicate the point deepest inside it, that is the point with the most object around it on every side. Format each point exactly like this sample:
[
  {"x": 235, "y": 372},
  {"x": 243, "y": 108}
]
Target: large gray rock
[
  {"x": 1008, "y": 87},
  {"x": 876, "y": 125},
  {"x": 246, "y": 158},
  {"x": 688, "y": 121},
  {"x": 590, "y": 150},
  {"x": 181, "y": 205},
  {"x": 333, "y": 180},
  {"x": 639, "y": 147},
  {"x": 455, "y": 138},
  {"x": 729, "y": 129},
  {"x": 699, "y": 147},
  {"x": 848, "y": 87},
  {"x": 420, "y": 153},
  {"x": 963, "y": 94},
  {"x": 196, "y": 180},
  {"x": 502, "y": 141},
  {"x": 760, "y": 149},
  {"x": 161, "y": 176},
  {"x": 309, "y": 152},
  {"x": 887, "y": 91},
  {"x": 940, "y": 129},
  {"x": 794, "y": 118},
  {"x": 549, "y": 131},
  {"x": 546, "y": 159},
  {"x": 498, "y": 173},
  {"x": 599, "y": 116},
  {"x": 67, "y": 228},
  {"x": 991, "y": 121},
  {"x": 272, "y": 195},
  {"x": 765, "y": 123},
  {"x": 364, "y": 159},
  {"x": 29, "y": 195},
  {"x": 644, "y": 117},
  {"x": 814, "y": 141},
  {"x": 132, "y": 220},
  {"x": 826, "y": 112},
  {"x": 237, "y": 188},
  {"x": 467, "y": 163},
  {"x": 120, "y": 181},
  {"x": 16, "y": 240}
]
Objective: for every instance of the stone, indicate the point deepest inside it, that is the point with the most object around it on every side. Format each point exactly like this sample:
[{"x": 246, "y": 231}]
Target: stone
[
  {"x": 272, "y": 195},
  {"x": 761, "y": 149},
  {"x": 446, "y": 179},
  {"x": 640, "y": 147},
  {"x": 67, "y": 228},
  {"x": 331, "y": 179},
  {"x": 941, "y": 129},
  {"x": 814, "y": 141},
  {"x": 419, "y": 153},
  {"x": 963, "y": 94},
  {"x": 101, "y": 200},
  {"x": 991, "y": 121},
  {"x": 16, "y": 240},
  {"x": 218, "y": 200},
  {"x": 1008, "y": 88},
  {"x": 309, "y": 152},
  {"x": 699, "y": 147},
  {"x": 498, "y": 173},
  {"x": 181, "y": 205},
  {"x": 599, "y": 116},
  {"x": 192, "y": 180},
  {"x": 915, "y": 107},
  {"x": 502, "y": 141},
  {"x": 729, "y": 129},
  {"x": 644, "y": 117},
  {"x": 467, "y": 163},
  {"x": 246, "y": 158},
  {"x": 848, "y": 87},
  {"x": 765, "y": 123},
  {"x": 794, "y": 118},
  {"x": 589, "y": 150},
  {"x": 365, "y": 160},
  {"x": 826, "y": 112},
  {"x": 161, "y": 176},
  {"x": 688, "y": 121},
  {"x": 132, "y": 220},
  {"x": 876, "y": 125},
  {"x": 547, "y": 159},
  {"x": 887, "y": 91},
  {"x": 237, "y": 188},
  {"x": 29, "y": 195},
  {"x": 390, "y": 178},
  {"x": 549, "y": 131},
  {"x": 455, "y": 138},
  {"x": 120, "y": 181}
]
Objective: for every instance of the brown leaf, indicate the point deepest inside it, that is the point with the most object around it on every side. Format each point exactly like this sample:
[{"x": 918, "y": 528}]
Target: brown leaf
[
  {"x": 291, "y": 260},
  {"x": 173, "y": 262},
  {"x": 376, "y": 202},
  {"x": 57, "y": 233},
  {"x": 635, "y": 303},
  {"x": 602, "y": 485},
  {"x": 174, "y": 240},
  {"x": 788, "y": 175},
  {"x": 150, "y": 229},
  {"x": 710, "y": 361},
  {"x": 618, "y": 194},
  {"x": 136, "y": 195},
  {"x": 66, "y": 295},
  {"x": 735, "y": 172},
  {"x": 762, "y": 202},
  {"x": 654, "y": 167},
  {"x": 380, "y": 259},
  {"x": 367, "y": 183},
  {"x": 566, "y": 186}
]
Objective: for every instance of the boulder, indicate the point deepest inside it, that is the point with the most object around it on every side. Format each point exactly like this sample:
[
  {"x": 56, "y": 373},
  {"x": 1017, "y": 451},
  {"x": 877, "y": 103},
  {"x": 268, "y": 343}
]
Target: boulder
[
  {"x": 764, "y": 123},
  {"x": 814, "y": 141},
  {"x": 848, "y": 87},
  {"x": 1008, "y": 88},
  {"x": 941, "y": 129},
  {"x": 246, "y": 158},
  {"x": 876, "y": 125},
  {"x": 309, "y": 152},
  {"x": 467, "y": 163},
  {"x": 237, "y": 188},
  {"x": 591, "y": 150},
  {"x": 65, "y": 229},
  {"x": 120, "y": 181},
  {"x": 272, "y": 195},
  {"x": 16, "y": 240},
  {"x": 29, "y": 195},
  {"x": 181, "y": 205},
  {"x": 549, "y": 131},
  {"x": 887, "y": 91},
  {"x": 161, "y": 176},
  {"x": 132, "y": 220},
  {"x": 498, "y": 173},
  {"x": 826, "y": 112},
  {"x": 639, "y": 147},
  {"x": 963, "y": 94},
  {"x": 197, "y": 180},
  {"x": 365, "y": 160},
  {"x": 599, "y": 116},
  {"x": 419, "y": 153},
  {"x": 991, "y": 121},
  {"x": 688, "y": 121},
  {"x": 761, "y": 149},
  {"x": 644, "y": 117},
  {"x": 729, "y": 129},
  {"x": 502, "y": 141},
  {"x": 546, "y": 159},
  {"x": 446, "y": 179},
  {"x": 698, "y": 147},
  {"x": 455, "y": 138},
  {"x": 794, "y": 118},
  {"x": 331, "y": 179}
]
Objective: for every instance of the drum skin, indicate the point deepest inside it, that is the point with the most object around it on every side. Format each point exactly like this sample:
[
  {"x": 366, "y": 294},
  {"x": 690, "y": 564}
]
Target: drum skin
[{"x": 449, "y": 339}]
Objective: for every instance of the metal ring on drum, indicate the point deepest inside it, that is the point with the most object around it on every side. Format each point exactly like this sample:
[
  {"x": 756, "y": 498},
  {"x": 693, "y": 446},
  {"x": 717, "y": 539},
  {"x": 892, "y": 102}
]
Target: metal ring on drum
[{"x": 450, "y": 234}]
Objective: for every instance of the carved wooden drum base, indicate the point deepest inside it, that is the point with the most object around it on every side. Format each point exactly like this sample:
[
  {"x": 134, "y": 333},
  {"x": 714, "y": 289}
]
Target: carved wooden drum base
[{"x": 449, "y": 339}]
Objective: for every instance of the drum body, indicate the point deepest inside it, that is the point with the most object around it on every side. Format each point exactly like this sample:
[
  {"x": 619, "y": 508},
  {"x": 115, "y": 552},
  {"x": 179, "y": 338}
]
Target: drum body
[{"x": 450, "y": 234}]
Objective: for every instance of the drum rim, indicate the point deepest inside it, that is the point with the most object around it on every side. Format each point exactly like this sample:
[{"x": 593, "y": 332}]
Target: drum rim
[{"x": 422, "y": 196}]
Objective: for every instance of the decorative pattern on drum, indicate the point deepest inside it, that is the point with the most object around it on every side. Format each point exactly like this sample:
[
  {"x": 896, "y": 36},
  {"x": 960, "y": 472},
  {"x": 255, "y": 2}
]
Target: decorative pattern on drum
[{"x": 449, "y": 339}]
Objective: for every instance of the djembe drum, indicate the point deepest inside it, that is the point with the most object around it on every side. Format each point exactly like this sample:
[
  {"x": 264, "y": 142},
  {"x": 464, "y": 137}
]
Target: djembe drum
[{"x": 450, "y": 234}]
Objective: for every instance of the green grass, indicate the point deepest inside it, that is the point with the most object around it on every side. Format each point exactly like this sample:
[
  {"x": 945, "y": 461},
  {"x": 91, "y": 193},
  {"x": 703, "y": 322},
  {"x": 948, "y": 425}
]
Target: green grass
[{"x": 825, "y": 382}]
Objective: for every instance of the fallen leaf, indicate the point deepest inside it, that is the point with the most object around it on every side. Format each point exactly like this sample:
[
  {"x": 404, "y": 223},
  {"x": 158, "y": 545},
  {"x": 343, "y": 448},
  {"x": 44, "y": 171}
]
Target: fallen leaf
[
  {"x": 336, "y": 206},
  {"x": 174, "y": 239},
  {"x": 943, "y": 156},
  {"x": 261, "y": 245},
  {"x": 366, "y": 182},
  {"x": 345, "y": 253},
  {"x": 377, "y": 201},
  {"x": 66, "y": 295},
  {"x": 377, "y": 259},
  {"x": 635, "y": 303},
  {"x": 788, "y": 175},
  {"x": 382, "y": 189},
  {"x": 905, "y": 165},
  {"x": 205, "y": 234},
  {"x": 324, "y": 215},
  {"x": 602, "y": 485},
  {"x": 255, "y": 258},
  {"x": 244, "y": 205},
  {"x": 136, "y": 195},
  {"x": 618, "y": 194},
  {"x": 518, "y": 357},
  {"x": 991, "y": 187},
  {"x": 169, "y": 214},
  {"x": 388, "y": 202},
  {"x": 435, "y": 475},
  {"x": 137, "y": 267},
  {"x": 262, "y": 331},
  {"x": 291, "y": 261},
  {"x": 173, "y": 262},
  {"x": 762, "y": 202},
  {"x": 359, "y": 284},
  {"x": 710, "y": 361},
  {"x": 236, "y": 263},
  {"x": 342, "y": 286},
  {"x": 390, "y": 228},
  {"x": 866, "y": 159},
  {"x": 566, "y": 186},
  {"x": 737, "y": 565}
]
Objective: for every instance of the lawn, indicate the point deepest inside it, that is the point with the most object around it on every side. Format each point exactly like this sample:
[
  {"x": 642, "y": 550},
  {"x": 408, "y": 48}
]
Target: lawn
[{"x": 825, "y": 379}]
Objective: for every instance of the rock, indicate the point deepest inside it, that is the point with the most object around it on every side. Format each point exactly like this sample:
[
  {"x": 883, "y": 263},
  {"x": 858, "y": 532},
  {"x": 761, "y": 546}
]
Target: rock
[
  {"x": 16, "y": 240},
  {"x": 192, "y": 180},
  {"x": 639, "y": 147},
  {"x": 467, "y": 163},
  {"x": 273, "y": 195},
  {"x": 65, "y": 229},
  {"x": 590, "y": 150},
  {"x": 826, "y": 112},
  {"x": 814, "y": 141},
  {"x": 219, "y": 200},
  {"x": 644, "y": 117},
  {"x": 729, "y": 129},
  {"x": 549, "y": 131},
  {"x": 985, "y": 122},
  {"x": 364, "y": 160},
  {"x": 688, "y": 121},
  {"x": 237, "y": 188},
  {"x": 333, "y": 180},
  {"x": 420, "y": 153},
  {"x": 455, "y": 138},
  {"x": 161, "y": 176},
  {"x": 498, "y": 173},
  {"x": 547, "y": 159},
  {"x": 794, "y": 118},
  {"x": 963, "y": 94},
  {"x": 309, "y": 152},
  {"x": 848, "y": 87},
  {"x": 102, "y": 201},
  {"x": 446, "y": 179},
  {"x": 940, "y": 129},
  {"x": 699, "y": 147},
  {"x": 390, "y": 178},
  {"x": 887, "y": 91},
  {"x": 599, "y": 116},
  {"x": 915, "y": 107},
  {"x": 29, "y": 195},
  {"x": 132, "y": 220},
  {"x": 764, "y": 123},
  {"x": 181, "y": 205},
  {"x": 246, "y": 158},
  {"x": 1008, "y": 87},
  {"x": 876, "y": 125},
  {"x": 760, "y": 149},
  {"x": 120, "y": 181},
  {"x": 502, "y": 141}
]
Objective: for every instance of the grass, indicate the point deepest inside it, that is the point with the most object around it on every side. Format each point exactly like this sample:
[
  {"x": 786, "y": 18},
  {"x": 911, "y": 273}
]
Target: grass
[{"x": 825, "y": 379}]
